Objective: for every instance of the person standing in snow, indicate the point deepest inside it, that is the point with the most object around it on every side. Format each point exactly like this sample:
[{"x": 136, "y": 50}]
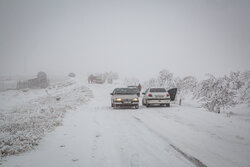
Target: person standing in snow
[
  {"x": 89, "y": 79},
  {"x": 139, "y": 87}
]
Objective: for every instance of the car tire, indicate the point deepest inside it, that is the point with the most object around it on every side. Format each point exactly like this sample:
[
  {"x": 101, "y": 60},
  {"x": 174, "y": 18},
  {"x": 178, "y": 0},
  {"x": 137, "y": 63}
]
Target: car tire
[
  {"x": 147, "y": 105},
  {"x": 143, "y": 102},
  {"x": 168, "y": 105},
  {"x": 137, "y": 106}
]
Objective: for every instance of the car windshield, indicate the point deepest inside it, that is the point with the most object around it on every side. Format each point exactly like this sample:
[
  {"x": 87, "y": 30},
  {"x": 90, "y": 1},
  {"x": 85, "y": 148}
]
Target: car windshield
[
  {"x": 125, "y": 91},
  {"x": 158, "y": 90},
  {"x": 136, "y": 89}
]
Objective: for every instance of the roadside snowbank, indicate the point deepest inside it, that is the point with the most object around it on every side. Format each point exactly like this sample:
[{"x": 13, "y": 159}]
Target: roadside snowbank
[{"x": 27, "y": 115}]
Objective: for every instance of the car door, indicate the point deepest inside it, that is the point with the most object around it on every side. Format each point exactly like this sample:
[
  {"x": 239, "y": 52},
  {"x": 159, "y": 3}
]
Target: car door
[{"x": 172, "y": 93}]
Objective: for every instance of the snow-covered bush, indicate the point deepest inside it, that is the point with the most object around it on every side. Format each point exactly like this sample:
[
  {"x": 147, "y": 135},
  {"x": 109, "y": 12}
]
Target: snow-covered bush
[
  {"x": 244, "y": 91},
  {"x": 216, "y": 93},
  {"x": 185, "y": 86},
  {"x": 72, "y": 75},
  {"x": 165, "y": 79},
  {"x": 213, "y": 93},
  {"x": 189, "y": 83}
]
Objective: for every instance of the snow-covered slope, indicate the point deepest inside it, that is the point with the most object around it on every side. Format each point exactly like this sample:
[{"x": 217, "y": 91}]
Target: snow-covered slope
[{"x": 27, "y": 115}]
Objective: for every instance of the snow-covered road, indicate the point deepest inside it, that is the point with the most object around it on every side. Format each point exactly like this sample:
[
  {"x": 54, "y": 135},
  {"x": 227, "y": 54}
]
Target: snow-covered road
[{"x": 96, "y": 135}]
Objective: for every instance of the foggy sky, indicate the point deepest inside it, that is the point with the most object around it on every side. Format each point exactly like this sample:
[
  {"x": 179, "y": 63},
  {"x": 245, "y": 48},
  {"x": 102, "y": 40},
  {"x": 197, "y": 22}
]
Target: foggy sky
[{"x": 134, "y": 37}]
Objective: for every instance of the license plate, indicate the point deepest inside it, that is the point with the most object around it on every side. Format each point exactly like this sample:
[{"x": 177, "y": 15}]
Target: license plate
[{"x": 159, "y": 96}]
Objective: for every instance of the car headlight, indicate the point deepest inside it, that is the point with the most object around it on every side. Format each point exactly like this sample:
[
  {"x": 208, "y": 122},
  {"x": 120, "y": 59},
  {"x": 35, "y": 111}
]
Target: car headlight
[
  {"x": 118, "y": 99},
  {"x": 135, "y": 99}
]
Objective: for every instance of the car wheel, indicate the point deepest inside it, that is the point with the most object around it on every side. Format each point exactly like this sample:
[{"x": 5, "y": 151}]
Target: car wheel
[
  {"x": 147, "y": 105},
  {"x": 143, "y": 102},
  {"x": 137, "y": 106}
]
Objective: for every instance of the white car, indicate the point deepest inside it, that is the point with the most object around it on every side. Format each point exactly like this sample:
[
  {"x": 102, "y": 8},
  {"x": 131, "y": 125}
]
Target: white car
[
  {"x": 156, "y": 96},
  {"x": 124, "y": 97}
]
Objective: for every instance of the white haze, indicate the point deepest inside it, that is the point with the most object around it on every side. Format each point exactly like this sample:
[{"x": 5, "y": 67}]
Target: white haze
[{"x": 133, "y": 38}]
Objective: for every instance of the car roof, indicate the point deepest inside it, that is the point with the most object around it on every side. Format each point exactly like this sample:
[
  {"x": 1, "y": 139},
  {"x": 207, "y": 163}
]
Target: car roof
[
  {"x": 121, "y": 88},
  {"x": 157, "y": 88}
]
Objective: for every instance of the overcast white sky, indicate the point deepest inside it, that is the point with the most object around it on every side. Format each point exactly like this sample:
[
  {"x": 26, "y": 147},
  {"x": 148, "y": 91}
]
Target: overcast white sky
[{"x": 133, "y": 37}]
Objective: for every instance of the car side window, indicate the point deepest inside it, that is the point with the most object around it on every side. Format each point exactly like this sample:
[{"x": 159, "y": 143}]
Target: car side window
[{"x": 146, "y": 91}]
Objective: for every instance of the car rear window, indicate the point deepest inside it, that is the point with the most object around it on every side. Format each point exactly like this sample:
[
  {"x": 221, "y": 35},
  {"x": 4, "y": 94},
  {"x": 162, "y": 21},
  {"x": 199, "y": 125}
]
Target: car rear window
[{"x": 158, "y": 90}]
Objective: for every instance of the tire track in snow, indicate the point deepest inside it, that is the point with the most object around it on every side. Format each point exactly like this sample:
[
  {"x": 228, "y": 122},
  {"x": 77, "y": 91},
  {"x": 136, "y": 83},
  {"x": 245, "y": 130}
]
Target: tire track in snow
[
  {"x": 190, "y": 158},
  {"x": 134, "y": 162}
]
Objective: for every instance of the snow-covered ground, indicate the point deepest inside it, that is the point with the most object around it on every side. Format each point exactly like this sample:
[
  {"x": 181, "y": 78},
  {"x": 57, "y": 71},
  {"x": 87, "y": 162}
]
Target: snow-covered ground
[
  {"x": 27, "y": 115},
  {"x": 94, "y": 134}
]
